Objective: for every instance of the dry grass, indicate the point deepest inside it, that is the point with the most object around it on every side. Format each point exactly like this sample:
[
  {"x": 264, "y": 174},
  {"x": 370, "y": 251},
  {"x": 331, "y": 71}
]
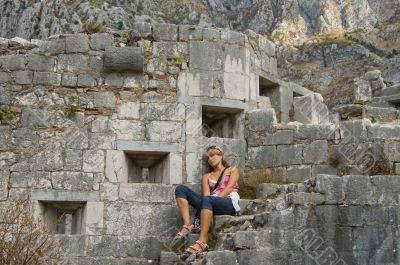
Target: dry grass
[{"x": 24, "y": 240}]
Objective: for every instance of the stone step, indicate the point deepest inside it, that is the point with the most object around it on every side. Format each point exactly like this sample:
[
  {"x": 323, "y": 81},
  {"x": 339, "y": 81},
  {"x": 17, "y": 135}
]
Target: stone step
[
  {"x": 229, "y": 220},
  {"x": 381, "y": 115}
]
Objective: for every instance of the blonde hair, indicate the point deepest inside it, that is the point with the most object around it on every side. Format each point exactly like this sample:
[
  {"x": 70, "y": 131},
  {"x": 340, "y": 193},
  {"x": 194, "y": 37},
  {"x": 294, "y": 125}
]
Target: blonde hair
[{"x": 215, "y": 150}]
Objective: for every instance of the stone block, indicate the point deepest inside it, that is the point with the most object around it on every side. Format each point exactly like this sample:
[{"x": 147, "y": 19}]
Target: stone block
[
  {"x": 261, "y": 120},
  {"x": 323, "y": 169},
  {"x": 76, "y": 43},
  {"x": 93, "y": 161},
  {"x": 362, "y": 93},
  {"x": 358, "y": 190},
  {"x": 244, "y": 239},
  {"x": 96, "y": 66},
  {"x": 128, "y": 129},
  {"x": 33, "y": 179},
  {"x": 75, "y": 63},
  {"x": 190, "y": 32},
  {"x": 101, "y": 141},
  {"x": 100, "y": 246},
  {"x": 114, "y": 80},
  {"x": 136, "y": 81},
  {"x": 142, "y": 30},
  {"x": 289, "y": 154},
  {"x": 331, "y": 186},
  {"x": 356, "y": 130},
  {"x": 262, "y": 157},
  {"x": 99, "y": 124},
  {"x": 316, "y": 132},
  {"x": 168, "y": 32},
  {"x": 74, "y": 244},
  {"x": 307, "y": 199},
  {"x": 165, "y": 131},
  {"x": 4, "y": 77},
  {"x": 94, "y": 218},
  {"x": 298, "y": 174},
  {"x": 155, "y": 193},
  {"x": 163, "y": 111},
  {"x": 384, "y": 131},
  {"x": 46, "y": 78},
  {"x": 280, "y": 137},
  {"x": 266, "y": 189},
  {"x": 211, "y": 34},
  {"x": 109, "y": 191},
  {"x": 381, "y": 115},
  {"x": 169, "y": 258},
  {"x": 266, "y": 46},
  {"x": 53, "y": 46},
  {"x": 129, "y": 110},
  {"x": 310, "y": 109},
  {"x": 4, "y": 180},
  {"x": 14, "y": 62},
  {"x": 232, "y": 37},
  {"x": 50, "y": 159},
  {"x": 34, "y": 117},
  {"x": 66, "y": 180},
  {"x": 73, "y": 160},
  {"x": 391, "y": 150},
  {"x": 85, "y": 80},
  {"x": 171, "y": 50},
  {"x": 23, "y": 77},
  {"x": 205, "y": 55},
  {"x": 221, "y": 257},
  {"x": 123, "y": 59},
  {"x": 40, "y": 63},
  {"x": 316, "y": 152},
  {"x": 24, "y": 137},
  {"x": 372, "y": 75},
  {"x": 382, "y": 189},
  {"x": 69, "y": 80},
  {"x": 101, "y": 41},
  {"x": 397, "y": 168},
  {"x": 104, "y": 99}
]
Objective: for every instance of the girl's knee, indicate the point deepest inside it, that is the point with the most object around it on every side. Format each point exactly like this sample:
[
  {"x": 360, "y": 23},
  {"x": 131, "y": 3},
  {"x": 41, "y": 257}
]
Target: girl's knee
[
  {"x": 206, "y": 203},
  {"x": 180, "y": 191}
]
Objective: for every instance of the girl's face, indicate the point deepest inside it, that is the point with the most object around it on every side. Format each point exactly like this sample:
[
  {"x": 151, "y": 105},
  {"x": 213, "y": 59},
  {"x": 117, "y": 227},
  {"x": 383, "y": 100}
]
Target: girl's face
[{"x": 214, "y": 157}]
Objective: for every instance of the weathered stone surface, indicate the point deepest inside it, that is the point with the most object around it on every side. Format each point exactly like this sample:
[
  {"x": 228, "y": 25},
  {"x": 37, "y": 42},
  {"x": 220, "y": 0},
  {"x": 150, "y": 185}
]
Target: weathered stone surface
[
  {"x": 76, "y": 43},
  {"x": 261, "y": 120},
  {"x": 163, "y": 31},
  {"x": 129, "y": 110},
  {"x": 75, "y": 63},
  {"x": 316, "y": 132},
  {"x": 4, "y": 179},
  {"x": 4, "y": 77},
  {"x": 128, "y": 129},
  {"x": 244, "y": 239},
  {"x": 100, "y": 41},
  {"x": 168, "y": 131},
  {"x": 232, "y": 37},
  {"x": 69, "y": 80},
  {"x": 46, "y": 78},
  {"x": 189, "y": 32},
  {"x": 136, "y": 81},
  {"x": 289, "y": 154},
  {"x": 381, "y": 115},
  {"x": 14, "y": 62},
  {"x": 384, "y": 131},
  {"x": 50, "y": 159},
  {"x": 101, "y": 141},
  {"x": 33, "y": 179},
  {"x": 72, "y": 180},
  {"x": 169, "y": 258},
  {"x": 85, "y": 80},
  {"x": 109, "y": 191},
  {"x": 141, "y": 30},
  {"x": 391, "y": 150},
  {"x": 205, "y": 55},
  {"x": 298, "y": 174},
  {"x": 24, "y": 137},
  {"x": 310, "y": 109},
  {"x": 266, "y": 189},
  {"x": 358, "y": 190},
  {"x": 221, "y": 257},
  {"x": 40, "y": 63},
  {"x": 163, "y": 111},
  {"x": 73, "y": 160},
  {"x": 331, "y": 186},
  {"x": 114, "y": 79},
  {"x": 280, "y": 137},
  {"x": 356, "y": 130},
  {"x": 316, "y": 152},
  {"x": 137, "y": 192},
  {"x": 123, "y": 59},
  {"x": 23, "y": 77},
  {"x": 7, "y": 159},
  {"x": 262, "y": 157},
  {"x": 104, "y": 99},
  {"x": 120, "y": 217},
  {"x": 171, "y": 50},
  {"x": 362, "y": 93},
  {"x": 93, "y": 161}
]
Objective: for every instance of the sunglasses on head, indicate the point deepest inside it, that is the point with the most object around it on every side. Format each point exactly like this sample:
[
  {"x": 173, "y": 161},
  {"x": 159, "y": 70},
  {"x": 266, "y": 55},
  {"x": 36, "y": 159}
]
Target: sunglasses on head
[{"x": 214, "y": 147}]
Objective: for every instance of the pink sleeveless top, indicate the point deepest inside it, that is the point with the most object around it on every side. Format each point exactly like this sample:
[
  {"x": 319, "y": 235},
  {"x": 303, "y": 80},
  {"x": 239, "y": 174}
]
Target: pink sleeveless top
[{"x": 222, "y": 184}]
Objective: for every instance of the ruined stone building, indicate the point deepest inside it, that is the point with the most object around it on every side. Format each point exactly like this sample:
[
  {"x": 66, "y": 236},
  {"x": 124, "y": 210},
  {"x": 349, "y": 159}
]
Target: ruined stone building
[{"x": 102, "y": 128}]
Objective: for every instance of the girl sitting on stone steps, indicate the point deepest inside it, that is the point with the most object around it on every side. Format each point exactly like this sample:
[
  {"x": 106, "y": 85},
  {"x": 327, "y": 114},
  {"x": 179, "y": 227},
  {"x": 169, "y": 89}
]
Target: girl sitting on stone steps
[{"x": 220, "y": 197}]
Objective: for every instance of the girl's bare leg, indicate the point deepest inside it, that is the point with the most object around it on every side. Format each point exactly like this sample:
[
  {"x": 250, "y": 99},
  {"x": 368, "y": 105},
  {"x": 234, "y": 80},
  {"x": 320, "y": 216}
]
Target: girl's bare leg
[
  {"x": 206, "y": 219},
  {"x": 183, "y": 205}
]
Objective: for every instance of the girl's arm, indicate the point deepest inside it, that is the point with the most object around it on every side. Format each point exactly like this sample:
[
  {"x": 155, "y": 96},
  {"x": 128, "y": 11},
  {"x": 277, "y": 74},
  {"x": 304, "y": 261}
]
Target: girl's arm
[
  {"x": 232, "y": 181},
  {"x": 205, "y": 187}
]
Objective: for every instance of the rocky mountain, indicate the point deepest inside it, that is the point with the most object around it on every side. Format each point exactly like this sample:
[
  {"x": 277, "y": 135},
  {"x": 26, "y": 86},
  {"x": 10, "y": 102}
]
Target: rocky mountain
[{"x": 326, "y": 45}]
